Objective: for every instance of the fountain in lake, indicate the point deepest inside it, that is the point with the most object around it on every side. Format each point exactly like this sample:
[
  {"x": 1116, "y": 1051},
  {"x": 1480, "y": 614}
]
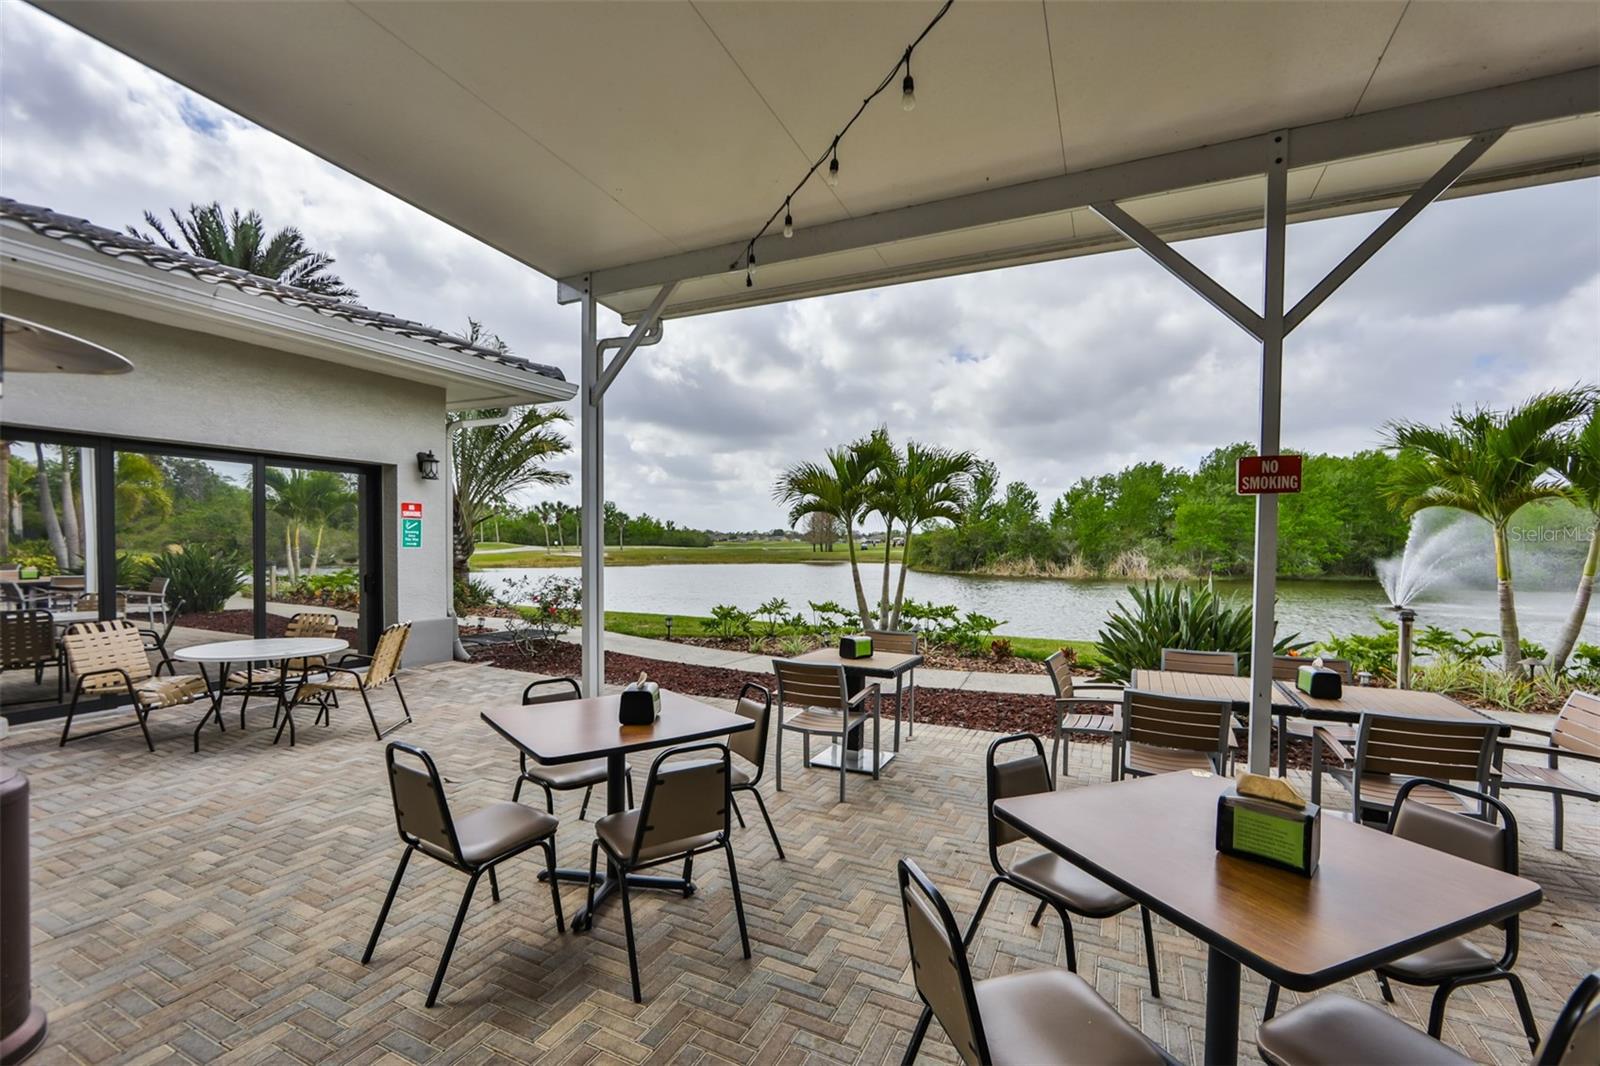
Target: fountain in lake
[{"x": 1434, "y": 548}]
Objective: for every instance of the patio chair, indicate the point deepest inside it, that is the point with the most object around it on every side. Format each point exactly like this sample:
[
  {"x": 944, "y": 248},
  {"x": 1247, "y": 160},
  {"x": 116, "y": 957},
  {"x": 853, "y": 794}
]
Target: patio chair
[
  {"x": 1286, "y": 668},
  {"x": 1106, "y": 722},
  {"x": 155, "y": 640},
  {"x": 561, "y": 777},
  {"x": 1575, "y": 735},
  {"x": 1035, "y": 1016},
  {"x": 382, "y": 666},
  {"x": 109, "y": 659},
  {"x": 1391, "y": 749},
  {"x": 252, "y": 682},
  {"x": 64, "y": 590},
  {"x": 755, "y": 703},
  {"x": 474, "y": 844},
  {"x": 1200, "y": 662},
  {"x": 90, "y": 601},
  {"x": 1162, "y": 734},
  {"x": 900, "y": 642},
  {"x": 825, "y": 707},
  {"x": 684, "y": 814},
  {"x": 1044, "y": 875},
  {"x": 150, "y": 600},
  {"x": 28, "y": 642},
  {"x": 1333, "y": 1030},
  {"x": 1454, "y": 963}
]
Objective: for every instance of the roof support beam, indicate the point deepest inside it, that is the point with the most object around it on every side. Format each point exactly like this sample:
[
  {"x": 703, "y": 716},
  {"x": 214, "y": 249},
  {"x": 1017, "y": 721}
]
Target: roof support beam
[
  {"x": 1430, "y": 191},
  {"x": 646, "y": 331},
  {"x": 1209, "y": 289},
  {"x": 1447, "y": 118}
]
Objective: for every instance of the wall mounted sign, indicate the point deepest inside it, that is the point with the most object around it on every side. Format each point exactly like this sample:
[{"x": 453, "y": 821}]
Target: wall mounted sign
[{"x": 410, "y": 524}]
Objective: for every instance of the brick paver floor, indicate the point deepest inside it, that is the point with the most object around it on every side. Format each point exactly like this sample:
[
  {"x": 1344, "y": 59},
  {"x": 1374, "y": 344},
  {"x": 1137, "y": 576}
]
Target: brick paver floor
[{"x": 215, "y": 906}]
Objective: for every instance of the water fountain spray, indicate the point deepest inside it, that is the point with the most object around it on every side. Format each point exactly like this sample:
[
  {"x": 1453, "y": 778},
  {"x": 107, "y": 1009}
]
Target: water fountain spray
[{"x": 1429, "y": 547}]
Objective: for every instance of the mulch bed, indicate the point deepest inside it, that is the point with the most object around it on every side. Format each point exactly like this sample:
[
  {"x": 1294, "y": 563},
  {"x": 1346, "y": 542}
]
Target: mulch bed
[
  {"x": 243, "y": 623},
  {"x": 934, "y": 659}
]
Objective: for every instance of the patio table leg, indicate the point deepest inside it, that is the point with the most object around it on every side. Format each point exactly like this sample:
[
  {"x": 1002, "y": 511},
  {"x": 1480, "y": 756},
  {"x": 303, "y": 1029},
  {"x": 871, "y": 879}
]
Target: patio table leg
[
  {"x": 1222, "y": 1009},
  {"x": 216, "y": 703}
]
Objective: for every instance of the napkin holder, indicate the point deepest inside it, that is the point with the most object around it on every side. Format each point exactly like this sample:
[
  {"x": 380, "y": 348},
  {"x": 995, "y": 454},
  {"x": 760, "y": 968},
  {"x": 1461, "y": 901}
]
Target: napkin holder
[
  {"x": 28, "y": 573},
  {"x": 859, "y": 647},
  {"x": 641, "y": 703},
  {"x": 1273, "y": 832},
  {"x": 1319, "y": 683}
]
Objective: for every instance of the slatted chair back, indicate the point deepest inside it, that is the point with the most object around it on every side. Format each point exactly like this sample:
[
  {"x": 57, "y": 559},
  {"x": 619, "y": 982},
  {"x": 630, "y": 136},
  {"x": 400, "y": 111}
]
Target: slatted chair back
[
  {"x": 421, "y": 810},
  {"x": 1417, "y": 747},
  {"x": 1577, "y": 727},
  {"x": 311, "y": 624},
  {"x": 896, "y": 641},
  {"x": 27, "y": 638},
  {"x": 755, "y": 703},
  {"x": 1183, "y": 723},
  {"x": 91, "y": 602},
  {"x": 1059, "y": 666},
  {"x": 939, "y": 963},
  {"x": 685, "y": 797},
  {"x": 811, "y": 685},
  {"x": 1200, "y": 662},
  {"x": 1025, "y": 774},
  {"x": 386, "y": 656},
  {"x": 1575, "y": 1037},
  {"x": 1287, "y": 668},
  {"x": 158, "y": 586},
  {"x": 114, "y": 645},
  {"x": 68, "y": 583}
]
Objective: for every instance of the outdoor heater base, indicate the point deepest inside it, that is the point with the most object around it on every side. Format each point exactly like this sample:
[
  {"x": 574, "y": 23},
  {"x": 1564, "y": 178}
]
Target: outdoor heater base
[
  {"x": 25, "y": 1038},
  {"x": 858, "y": 762}
]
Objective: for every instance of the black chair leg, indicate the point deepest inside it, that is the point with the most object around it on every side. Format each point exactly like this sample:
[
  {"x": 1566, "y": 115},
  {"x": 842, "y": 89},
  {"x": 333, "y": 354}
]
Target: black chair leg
[
  {"x": 583, "y": 811},
  {"x": 401, "y": 693},
  {"x": 388, "y": 901},
  {"x": 768, "y": 819},
  {"x": 1150, "y": 953},
  {"x": 1560, "y": 818},
  {"x": 516, "y": 793},
  {"x": 1383, "y": 986},
  {"x": 1066, "y": 934},
  {"x": 1272, "y": 1002},
  {"x": 688, "y": 872},
  {"x": 1436, "y": 1010},
  {"x": 594, "y": 859},
  {"x": 738, "y": 899},
  {"x": 977, "y": 915},
  {"x": 627, "y": 928},
  {"x": 555, "y": 885},
  {"x": 917, "y": 1034},
  {"x": 737, "y": 813},
  {"x": 455, "y": 931},
  {"x": 1038, "y": 915},
  {"x": 494, "y": 886},
  {"x": 1530, "y": 1028}
]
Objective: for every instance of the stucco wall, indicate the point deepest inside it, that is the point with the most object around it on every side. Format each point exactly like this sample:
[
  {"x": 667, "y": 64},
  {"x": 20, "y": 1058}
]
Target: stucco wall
[{"x": 194, "y": 388}]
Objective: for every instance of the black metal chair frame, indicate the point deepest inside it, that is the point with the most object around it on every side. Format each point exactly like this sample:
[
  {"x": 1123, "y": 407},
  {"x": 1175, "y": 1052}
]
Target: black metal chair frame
[
  {"x": 1499, "y": 970},
  {"x": 141, "y": 713},
  {"x": 473, "y": 872},
  {"x": 1061, "y": 746},
  {"x": 1004, "y": 876},
  {"x": 524, "y": 777},
  {"x": 1565, "y": 1029},
  {"x": 630, "y": 863},
  {"x": 156, "y": 640},
  {"x": 34, "y": 616},
  {"x": 325, "y": 718},
  {"x": 909, "y": 872},
  {"x": 750, "y": 687}
]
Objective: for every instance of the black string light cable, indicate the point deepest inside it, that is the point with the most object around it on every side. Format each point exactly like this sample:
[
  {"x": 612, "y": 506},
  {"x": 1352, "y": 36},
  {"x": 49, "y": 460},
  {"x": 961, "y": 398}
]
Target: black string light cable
[{"x": 908, "y": 101}]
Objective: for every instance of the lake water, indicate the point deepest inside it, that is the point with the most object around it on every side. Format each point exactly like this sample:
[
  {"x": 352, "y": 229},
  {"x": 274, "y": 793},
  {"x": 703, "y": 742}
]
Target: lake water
[{"x": 1042, "y": 607}]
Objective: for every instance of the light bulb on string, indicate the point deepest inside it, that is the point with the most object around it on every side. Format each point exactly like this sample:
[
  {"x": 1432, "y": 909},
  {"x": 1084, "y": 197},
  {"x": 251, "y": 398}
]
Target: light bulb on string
[
  {"x": 908, "y": 88},
  {"x": 750, "y": 266},
  {"x": 788, "y": 220},
  {"x": 833, "y": 166}
]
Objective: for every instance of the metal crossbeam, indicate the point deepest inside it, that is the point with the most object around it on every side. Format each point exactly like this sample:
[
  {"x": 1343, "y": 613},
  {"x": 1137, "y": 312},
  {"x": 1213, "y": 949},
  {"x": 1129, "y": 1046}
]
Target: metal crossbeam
[{"x": 646, "y": 331}]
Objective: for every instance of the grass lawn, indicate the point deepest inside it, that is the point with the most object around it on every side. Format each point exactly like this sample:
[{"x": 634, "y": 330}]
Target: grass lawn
[{"x": 783, "y": 551}]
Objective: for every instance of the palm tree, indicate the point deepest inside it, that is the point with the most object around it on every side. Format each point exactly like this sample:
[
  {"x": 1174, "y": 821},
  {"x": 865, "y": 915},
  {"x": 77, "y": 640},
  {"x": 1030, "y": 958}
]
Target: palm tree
[
  {"x": 47, "y": 509},
  {"x": 491, "y": 462},
  {"x": 1580, "y": 465},
  {"x": 884, "y": 498},
  {"x": 932, "y": 485},
  {"x": 838, "y": 487},
  {"x": 241, "y": 241},
  {"x": 141, "y": 488},
  {"x": 1490, "y": 464}
]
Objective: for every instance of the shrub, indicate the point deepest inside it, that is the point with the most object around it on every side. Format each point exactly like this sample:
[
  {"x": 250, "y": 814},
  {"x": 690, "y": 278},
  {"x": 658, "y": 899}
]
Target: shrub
[
  {"x": 773, "y": 613},
  {"x": 1195, "y": 617},
  {"x": 1487, "y": 683},
  {"x": 831, "y": 617},
  {"x": 794, "y": 644},
  {"x": 340, "y": 589},
  {"x": 1373, "y": 654},
  {"x": 1583, "y": 668},
  {"x": 202, "y": 576},
  {"x": 135, "y": 569},
  {"x": 33, "y": 553},
  {"x": 1000, "y": 648},
  {"x": 541, "y": 613},
  {"x": 472, "y": 595},
  {"x": 730, "y": 621}
]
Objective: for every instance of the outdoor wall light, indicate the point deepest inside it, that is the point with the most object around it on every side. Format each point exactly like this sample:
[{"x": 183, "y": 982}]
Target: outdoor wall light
[{"x": 428, "y": 466}]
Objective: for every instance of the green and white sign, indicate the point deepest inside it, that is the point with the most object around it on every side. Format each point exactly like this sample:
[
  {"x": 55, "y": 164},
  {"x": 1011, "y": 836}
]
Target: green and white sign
[{"x": 410, "y": 524}]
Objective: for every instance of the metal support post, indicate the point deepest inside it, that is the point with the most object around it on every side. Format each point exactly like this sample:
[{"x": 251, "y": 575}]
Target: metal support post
[
  {"x": 1264, "y": 622},
  {"x": 591, "y": 518}
]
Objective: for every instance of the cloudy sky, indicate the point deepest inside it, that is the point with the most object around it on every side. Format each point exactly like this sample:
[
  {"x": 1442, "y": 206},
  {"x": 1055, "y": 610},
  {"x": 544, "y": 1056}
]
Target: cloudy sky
[{"x": 1054, "y": 371}]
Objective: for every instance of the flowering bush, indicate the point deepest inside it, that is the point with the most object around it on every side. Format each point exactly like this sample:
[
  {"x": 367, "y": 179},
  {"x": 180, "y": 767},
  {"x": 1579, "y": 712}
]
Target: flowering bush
[{"x": 540, "y": 613}]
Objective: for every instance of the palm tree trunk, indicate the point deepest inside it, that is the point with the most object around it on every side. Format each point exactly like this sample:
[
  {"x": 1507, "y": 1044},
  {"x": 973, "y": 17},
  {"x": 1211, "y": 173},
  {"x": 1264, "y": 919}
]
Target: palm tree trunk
[
  {"x": 1510, "y": 638},
  {"x": 72, "y": 533},
  {"x": 855, "y": 575},
  {"x": 546, "y": 526},
  {"x": 1580, "y": 605},
  {"x": 288, "y": 549},
  {"x": 5, "y": 499},
  {"x": 47, "y": 509},
  {"x": 316, "y": 546},
  {"x": 888, "y": 558},
  {"x": 900, "y": 591}
]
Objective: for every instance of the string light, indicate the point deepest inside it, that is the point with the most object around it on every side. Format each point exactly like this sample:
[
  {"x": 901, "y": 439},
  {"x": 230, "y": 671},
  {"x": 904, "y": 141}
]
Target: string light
[{"x": 908, "y": 101}]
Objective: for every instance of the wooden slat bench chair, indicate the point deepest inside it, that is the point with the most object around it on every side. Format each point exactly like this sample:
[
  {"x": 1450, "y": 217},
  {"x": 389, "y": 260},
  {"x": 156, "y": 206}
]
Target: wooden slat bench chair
[
  {"x": 1575, "y": 735},
  {"x": 1391, "y": 749},
  {"x": 1105, "y": 720},
  {"x": 1163, "y": 734}
]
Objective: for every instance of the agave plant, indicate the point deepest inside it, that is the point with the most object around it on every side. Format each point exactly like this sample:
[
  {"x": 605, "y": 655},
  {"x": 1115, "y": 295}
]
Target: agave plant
[{"x": 1195, "y": 617}]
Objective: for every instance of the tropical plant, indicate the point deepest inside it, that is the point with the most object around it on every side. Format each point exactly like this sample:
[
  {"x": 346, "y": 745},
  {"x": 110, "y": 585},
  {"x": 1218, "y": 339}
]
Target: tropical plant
[
  {"x": 203, "y": 576},
  {"x": 926, "y": 484},
  {"x": 472, "y": 595},
  {"x": 1579, "y": 463},
  {"x": 492, "y": 461},
  {"x": 240, "y": 240},
  {"x": 730, "y": 621},
  {"x": 1162, "y": 615},
  {"x": 135, "y": 569},
  {"x": 141, "y": 490},
  {"x": 1367, "y": 653},
  {"x": 1000, "y": 648},
  {"x": 772, "y": 612},
  {"x": 1489, "y": 464},
  {"x": 47, "y": 509},
  {"x": 307, "y": 498},
  {"x": 540, "y": 613}
]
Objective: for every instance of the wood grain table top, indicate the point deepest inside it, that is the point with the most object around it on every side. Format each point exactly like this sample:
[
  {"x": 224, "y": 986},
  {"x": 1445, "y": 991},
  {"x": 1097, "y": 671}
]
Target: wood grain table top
[
  {"x": 878, "y": 664},
  {"x": 574, "y": 730},
  {"x": 1412, "y": 703},
  {"x": 1373, "y": 899},
  {"x": 1207, "y": 686}
]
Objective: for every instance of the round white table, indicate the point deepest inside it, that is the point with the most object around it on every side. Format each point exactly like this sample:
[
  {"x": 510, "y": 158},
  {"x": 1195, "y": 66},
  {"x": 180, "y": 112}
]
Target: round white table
[{"x": 227, "y": 653}]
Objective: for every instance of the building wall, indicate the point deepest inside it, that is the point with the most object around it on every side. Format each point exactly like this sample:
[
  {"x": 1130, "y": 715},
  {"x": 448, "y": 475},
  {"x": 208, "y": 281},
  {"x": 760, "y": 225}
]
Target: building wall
[{"x": 193, "y": 388}]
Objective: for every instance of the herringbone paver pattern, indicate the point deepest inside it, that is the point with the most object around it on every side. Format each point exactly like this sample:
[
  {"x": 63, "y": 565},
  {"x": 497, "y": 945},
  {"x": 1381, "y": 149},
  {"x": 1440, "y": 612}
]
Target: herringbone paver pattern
[{"x": 214, "y": 907}]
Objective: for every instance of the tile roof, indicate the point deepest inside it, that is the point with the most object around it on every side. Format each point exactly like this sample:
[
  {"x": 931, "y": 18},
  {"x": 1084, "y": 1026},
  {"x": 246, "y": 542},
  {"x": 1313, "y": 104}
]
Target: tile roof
[{"x": 123, "y": 246}]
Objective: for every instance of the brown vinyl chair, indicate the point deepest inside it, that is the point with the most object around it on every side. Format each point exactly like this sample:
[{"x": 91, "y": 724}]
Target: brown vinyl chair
[
  {"x": 1162, "y": 734},
  {"x": 1454, "y": 963},
  {"x": 1105, "y": 721},
  {"x": 28, "y": 642},
  {"x": 1391, "y": 749},
  {"x": 1334, "y": 1030},
  {"x": 475, "y": 844},
  {"x": 901, "y": 642},
  {"x": 109, "y": 659},
  {"x": 382, "y": 666},
  {"x": 1575, "y": 735},
  {"x": 562, "y": 777},
  {"x": 1024, "y": 1018},
  {"x": 684, "y": 814},
  {"x": 1200, "y": 662},
  {"x": 1044, "y": 875},
  {"x": 755, "y": 703},
  {"x": 825, "y": 706}
]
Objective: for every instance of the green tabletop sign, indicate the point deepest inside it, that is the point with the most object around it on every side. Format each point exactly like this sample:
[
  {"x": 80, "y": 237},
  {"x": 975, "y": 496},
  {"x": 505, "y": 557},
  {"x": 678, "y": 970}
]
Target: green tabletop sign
[{"x": 1278, "y": 839}]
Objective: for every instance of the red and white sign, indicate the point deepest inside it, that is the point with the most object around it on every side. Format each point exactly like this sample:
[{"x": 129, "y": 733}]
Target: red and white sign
[
  {"x": 410, "y": 509},
  {"x": 1261, "y": 475}
]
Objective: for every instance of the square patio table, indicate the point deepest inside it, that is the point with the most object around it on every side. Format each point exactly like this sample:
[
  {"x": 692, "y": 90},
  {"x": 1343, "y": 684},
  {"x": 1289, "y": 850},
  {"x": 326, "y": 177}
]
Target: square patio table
[
  {"x": 886, "y": 664},
  {"x": 1374, "y": 898},
  {"x": 581, "y": 729}
]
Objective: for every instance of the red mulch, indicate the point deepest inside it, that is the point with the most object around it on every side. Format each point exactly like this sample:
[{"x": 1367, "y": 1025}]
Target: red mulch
[
  {"x": 934, "y": 659},
  {"x": 243, "y": 622}
]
